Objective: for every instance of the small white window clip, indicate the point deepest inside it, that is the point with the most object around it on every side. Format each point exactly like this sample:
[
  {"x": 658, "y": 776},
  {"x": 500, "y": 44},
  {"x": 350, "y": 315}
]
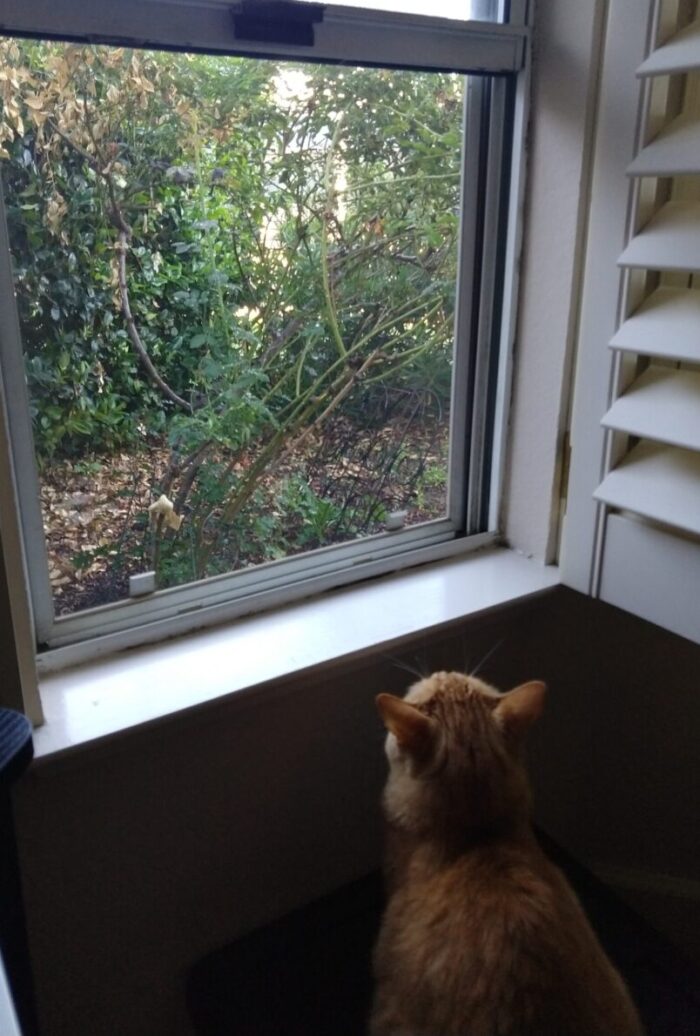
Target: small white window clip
[{"x": 141, "y": 584}]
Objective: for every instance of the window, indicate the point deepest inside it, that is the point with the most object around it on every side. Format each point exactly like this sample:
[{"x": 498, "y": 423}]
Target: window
[{"x": 263, "y": 273}]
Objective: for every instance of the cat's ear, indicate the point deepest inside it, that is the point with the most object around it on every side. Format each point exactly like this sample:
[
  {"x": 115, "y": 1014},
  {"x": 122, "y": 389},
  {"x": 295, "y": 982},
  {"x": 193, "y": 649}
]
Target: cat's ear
[
  {"x": 521, "y": 707},
  {"x": 413, "y": 730}
]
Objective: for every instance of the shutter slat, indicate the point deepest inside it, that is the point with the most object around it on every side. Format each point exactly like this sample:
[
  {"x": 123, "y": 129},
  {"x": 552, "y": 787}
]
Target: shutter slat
[
  {"x": 669, "y": 241},
  {"x": 680, "y": 54},
  {"x": 674, "y": 152},
  {"x": 667, "y": 324},
  {"x": 658, "y": 482},
  {"x": 662, "y": 404}
]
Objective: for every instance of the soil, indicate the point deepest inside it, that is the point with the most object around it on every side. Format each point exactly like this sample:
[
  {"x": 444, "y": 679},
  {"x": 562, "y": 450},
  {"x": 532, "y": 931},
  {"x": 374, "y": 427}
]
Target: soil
[
  {"x": 90, "y": 510},
  {"x": 96, "y": 510}
]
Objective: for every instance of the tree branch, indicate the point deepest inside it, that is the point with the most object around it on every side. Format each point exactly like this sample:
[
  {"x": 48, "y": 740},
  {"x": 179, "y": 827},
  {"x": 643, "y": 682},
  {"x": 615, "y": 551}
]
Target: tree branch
[
  {"x": 278, "y": 343},
  {"x": 124, "y": 237},
  {"x": 325, "y": 221},
  {"x": 146, "y": 362}
]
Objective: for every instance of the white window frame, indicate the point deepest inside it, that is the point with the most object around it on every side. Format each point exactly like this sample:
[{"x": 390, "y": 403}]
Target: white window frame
[{"x": 361, "y": 36}]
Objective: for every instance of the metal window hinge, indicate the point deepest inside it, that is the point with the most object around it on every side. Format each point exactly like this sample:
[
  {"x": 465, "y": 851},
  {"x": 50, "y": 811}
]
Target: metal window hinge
[{"x": 276, "y": 21}]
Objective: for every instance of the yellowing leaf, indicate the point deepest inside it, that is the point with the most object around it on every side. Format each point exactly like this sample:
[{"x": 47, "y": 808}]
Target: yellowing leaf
[{"x": 163, "y": 506}]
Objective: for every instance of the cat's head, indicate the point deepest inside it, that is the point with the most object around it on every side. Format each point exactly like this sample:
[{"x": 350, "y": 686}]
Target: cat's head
[{"x": 453, "y": 746}]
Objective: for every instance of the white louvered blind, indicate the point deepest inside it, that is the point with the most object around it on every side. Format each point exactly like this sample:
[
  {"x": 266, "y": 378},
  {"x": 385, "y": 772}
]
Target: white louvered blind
[{"x": 650, "y": 555}]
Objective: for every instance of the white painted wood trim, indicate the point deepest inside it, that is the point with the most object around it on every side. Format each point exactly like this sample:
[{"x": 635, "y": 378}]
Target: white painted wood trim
[
  {"x": 97, "y": 642},
  {"x": 110, "y": 695}
]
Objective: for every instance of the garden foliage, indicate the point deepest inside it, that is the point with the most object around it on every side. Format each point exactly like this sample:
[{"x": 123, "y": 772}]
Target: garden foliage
[{"x": 248, "y": 261}]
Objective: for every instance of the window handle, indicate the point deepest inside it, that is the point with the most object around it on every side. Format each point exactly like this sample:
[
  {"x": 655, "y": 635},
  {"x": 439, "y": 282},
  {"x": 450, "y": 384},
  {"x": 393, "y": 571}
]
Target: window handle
[{"x": 276, "y": 21}]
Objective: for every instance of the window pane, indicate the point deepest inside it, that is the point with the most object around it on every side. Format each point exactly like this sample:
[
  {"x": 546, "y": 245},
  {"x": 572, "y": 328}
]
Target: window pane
[
  {"x": 459, "y": 10},
  {"x": 235, "y": 281}
]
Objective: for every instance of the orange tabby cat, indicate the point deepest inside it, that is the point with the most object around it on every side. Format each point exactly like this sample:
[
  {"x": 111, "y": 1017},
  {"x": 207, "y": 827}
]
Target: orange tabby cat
[{"x": 482, "y": 935}]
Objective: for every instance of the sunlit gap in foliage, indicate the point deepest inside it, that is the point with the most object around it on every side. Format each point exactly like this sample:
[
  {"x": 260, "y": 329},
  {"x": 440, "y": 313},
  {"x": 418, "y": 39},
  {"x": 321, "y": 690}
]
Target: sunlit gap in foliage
[{"x": 460, "y": 10}]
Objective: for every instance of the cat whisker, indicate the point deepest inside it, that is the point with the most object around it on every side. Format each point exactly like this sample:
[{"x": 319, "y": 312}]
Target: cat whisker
[
  {"x": 486, "y": 657},
  {"x": 406, "y": 668}
]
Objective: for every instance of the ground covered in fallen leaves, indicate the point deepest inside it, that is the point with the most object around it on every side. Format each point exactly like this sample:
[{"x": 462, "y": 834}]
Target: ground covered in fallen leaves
[{"x": 96, "y": 510}]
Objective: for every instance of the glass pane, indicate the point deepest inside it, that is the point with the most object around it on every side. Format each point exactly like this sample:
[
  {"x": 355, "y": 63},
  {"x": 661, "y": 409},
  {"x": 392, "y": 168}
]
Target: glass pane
[
  {"x": 235, "y": 281},
  {"x": 459, "y": 10}
]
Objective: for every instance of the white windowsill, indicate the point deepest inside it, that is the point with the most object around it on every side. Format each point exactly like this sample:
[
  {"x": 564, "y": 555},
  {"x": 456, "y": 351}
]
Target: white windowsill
[{"x": 107, "y": 697}]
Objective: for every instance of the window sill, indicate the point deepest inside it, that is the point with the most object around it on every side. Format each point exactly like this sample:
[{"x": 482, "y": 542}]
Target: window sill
[{"x": 106, "y": 698}]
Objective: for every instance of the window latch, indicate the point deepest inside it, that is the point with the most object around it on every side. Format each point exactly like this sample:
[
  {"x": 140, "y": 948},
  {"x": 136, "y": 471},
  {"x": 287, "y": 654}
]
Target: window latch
[{"x": 276, "y": 21}]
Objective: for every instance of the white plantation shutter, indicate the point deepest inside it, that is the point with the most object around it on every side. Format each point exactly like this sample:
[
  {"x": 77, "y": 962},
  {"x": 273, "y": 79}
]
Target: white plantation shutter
[
  {"x": 647, "y": 543},
  {"x": 679, "y": 53}
]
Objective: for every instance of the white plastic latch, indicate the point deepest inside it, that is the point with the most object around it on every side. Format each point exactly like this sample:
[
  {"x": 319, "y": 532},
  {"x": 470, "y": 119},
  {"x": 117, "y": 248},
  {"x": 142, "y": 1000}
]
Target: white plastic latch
[
  {"x": 395, "y": 520},
  {"x": 141, "y": 584}
]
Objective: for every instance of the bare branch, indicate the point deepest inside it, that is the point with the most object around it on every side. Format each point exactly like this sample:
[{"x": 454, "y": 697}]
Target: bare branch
[
  {"x": 134, "y": 336},
  {"x": 124, "y": 236}
]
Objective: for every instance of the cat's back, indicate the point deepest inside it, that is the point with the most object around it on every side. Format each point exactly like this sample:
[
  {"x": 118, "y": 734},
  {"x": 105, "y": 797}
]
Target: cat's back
[{"x": 493, "y": 943}]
